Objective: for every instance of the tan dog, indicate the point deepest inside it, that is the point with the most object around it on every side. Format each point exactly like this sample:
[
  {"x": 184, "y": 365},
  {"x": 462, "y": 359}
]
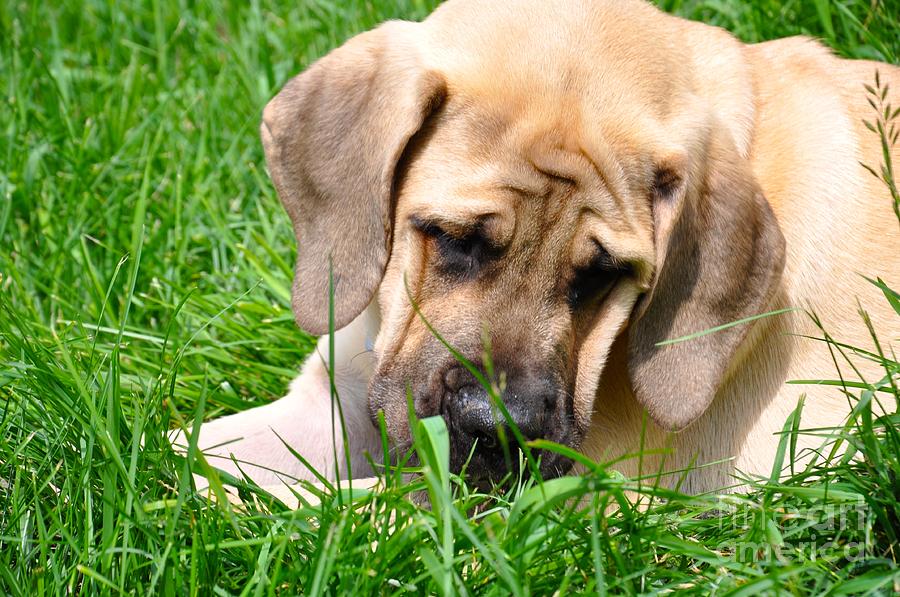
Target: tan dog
[{"x": 579, "y": 181}]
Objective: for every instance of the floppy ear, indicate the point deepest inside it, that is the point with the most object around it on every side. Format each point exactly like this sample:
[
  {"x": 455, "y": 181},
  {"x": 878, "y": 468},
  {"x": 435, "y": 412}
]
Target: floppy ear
[
  {"x": 333, "y": 137},
  {"x": 720, "y": 254}
]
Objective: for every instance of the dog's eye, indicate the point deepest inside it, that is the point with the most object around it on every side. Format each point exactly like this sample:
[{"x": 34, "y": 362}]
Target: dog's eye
[
  {"x": 460, "y": 254},
  {"x": 591, "y": 281}
]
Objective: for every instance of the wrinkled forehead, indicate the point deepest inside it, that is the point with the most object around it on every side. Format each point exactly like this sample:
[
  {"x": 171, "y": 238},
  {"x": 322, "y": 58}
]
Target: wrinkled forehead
[{"x": 518, "y": 159}]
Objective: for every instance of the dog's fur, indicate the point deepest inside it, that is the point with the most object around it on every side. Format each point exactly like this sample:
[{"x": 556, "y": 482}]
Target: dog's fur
[{"x": 722, "y": 180}]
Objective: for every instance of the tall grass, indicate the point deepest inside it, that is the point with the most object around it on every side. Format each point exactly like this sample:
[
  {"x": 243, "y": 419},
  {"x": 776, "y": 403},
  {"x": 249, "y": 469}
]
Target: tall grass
[{"x": 146, "y": 267}]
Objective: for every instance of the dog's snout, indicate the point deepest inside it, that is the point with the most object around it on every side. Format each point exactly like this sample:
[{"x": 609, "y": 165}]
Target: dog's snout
[
  {"x": 475, "y": 420},
  {"x": 478, "y": 418}
]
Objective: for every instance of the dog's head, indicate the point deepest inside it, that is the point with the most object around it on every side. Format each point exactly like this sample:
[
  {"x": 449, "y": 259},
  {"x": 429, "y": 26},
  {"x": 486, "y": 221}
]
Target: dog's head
[{"x": 540, "y": 178}]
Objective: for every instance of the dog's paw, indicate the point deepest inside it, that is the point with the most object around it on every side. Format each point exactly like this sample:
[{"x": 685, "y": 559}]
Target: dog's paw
[{"x": 262, "y": 443}]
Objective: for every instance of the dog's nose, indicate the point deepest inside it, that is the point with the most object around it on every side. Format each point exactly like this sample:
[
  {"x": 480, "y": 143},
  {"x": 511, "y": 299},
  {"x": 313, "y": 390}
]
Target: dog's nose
[
  {"x": 475, "y": 421},
  {"x": 479, "y": 420}
]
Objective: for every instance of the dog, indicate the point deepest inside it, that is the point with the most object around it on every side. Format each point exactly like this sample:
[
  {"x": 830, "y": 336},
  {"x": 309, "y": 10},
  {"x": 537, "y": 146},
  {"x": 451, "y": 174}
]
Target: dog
[{"x": 572, "y": 188}]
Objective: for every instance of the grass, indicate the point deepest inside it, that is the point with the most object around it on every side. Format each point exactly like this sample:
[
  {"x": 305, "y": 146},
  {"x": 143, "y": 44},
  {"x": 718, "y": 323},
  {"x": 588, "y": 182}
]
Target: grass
[{"x": 146, "y": 266}]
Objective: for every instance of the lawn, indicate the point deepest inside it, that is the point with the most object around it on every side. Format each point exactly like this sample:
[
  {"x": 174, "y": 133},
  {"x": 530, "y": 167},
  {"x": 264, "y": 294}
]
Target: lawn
[{"x": 145, "y": 269}]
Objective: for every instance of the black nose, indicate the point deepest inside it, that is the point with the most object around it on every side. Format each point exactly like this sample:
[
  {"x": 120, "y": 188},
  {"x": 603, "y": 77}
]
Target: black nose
[
  {"x": 474, "y": 421},
  {"x": 482, "y": 421}
]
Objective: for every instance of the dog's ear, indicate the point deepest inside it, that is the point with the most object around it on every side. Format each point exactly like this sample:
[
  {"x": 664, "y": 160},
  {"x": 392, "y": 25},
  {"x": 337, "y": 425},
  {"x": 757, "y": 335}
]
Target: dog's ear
[
  {"x": 333, "y": 137},
  {"x": 719, "y": 258}
]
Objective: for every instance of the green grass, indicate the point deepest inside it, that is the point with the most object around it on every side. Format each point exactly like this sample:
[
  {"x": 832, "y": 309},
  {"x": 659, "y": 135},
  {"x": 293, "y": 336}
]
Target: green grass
[{"x": 146, "y": 267}]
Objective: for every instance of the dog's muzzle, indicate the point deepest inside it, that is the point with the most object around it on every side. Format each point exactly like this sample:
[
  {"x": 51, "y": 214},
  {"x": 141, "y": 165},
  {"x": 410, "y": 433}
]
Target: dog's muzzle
[{"x": 481, "y": 435}]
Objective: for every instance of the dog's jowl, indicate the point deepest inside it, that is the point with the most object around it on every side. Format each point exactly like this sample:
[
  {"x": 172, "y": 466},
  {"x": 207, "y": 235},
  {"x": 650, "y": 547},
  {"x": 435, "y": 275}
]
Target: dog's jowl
[{"x": 570, "y": 186}]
